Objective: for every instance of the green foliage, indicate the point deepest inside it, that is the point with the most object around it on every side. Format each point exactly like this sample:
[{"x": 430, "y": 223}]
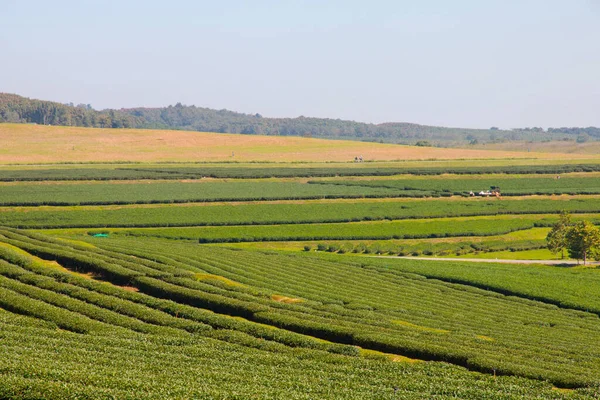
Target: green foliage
[
  {"x": 440, "y": 248},
  {"x": 557, "y": 237},
  {"x": 590, "y": 131},
  {"x": 288, "y": 325},
  {"x": 378, "y": 230},
  {"x": 183, "y": 192},
  {"x": 15, "y": 108},
  {"x": 41, "y": 362},
  {"x": 322, "y": 281},
  {"x": 583, "y": 239},
  {"x": 176, "y": 192},
  {"x": 266, "y": 214},
  {"x": 511, "y": 186},
  {"x": 270, "y": 170},
  {"x": 346, "y": 304}
]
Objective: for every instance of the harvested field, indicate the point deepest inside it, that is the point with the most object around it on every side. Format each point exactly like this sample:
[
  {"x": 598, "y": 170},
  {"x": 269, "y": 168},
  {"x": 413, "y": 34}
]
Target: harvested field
[{"x": 51, "y": 144}]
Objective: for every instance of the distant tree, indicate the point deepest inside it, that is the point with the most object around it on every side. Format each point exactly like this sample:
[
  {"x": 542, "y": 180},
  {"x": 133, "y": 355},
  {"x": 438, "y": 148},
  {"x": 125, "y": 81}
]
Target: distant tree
[
  {"x": 472, "y": 139},
  {"x": 583, "y": 138},
  {"x": 104, "y": 121},
  {"x": 86, "y": 120},
  {"x": 248, "y": 130},
  {"x": 557, "y": 237},
  {"x": 422, "y": 143},
  {"x": 494, "y": 128},
  {"x": 11, "y": 116},
  {"x": 583, "y": 240}
]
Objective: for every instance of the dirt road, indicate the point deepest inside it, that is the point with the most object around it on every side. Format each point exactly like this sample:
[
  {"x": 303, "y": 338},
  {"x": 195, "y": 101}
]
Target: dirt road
[{"x": 495, "y": 260}]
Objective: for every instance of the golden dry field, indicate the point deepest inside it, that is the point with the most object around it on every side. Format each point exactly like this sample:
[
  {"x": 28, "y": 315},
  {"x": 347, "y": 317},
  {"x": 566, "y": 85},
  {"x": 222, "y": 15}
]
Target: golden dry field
[{"x": 51, "y": 144}]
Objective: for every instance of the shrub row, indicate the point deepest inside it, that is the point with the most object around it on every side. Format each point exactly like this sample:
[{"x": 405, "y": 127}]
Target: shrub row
[
  {"x": 510, "y": 186},
  {"x": 532, "y": 335},
  {"x": 340, "y": 326},
  {"x": 274, "y": 214},
  {"x": 173, "y": 292},
  {"x": 233, "y": 171},
  {"x": 22, "y": 304},
  {"x": 427, "y": 248}
]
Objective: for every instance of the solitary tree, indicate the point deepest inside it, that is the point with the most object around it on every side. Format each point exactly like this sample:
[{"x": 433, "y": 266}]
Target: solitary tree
[
  {"x": 557, "y": 237},
  {"x": 583, "y": 239}
]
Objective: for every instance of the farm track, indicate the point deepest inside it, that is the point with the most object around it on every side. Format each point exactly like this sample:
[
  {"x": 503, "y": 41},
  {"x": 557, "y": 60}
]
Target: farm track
[{"x": 566, "y": 263}]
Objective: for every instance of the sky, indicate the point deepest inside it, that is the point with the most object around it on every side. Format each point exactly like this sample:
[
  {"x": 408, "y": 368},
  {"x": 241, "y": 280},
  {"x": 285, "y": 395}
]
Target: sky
[{"x": 461, "y": 63}]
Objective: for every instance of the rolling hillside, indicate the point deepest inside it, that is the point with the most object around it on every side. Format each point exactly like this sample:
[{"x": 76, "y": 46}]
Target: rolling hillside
[
  {"x": 26, "y": 143},
  {"x": 14, "y": 108},
  {"x": 176, "y": 264}
]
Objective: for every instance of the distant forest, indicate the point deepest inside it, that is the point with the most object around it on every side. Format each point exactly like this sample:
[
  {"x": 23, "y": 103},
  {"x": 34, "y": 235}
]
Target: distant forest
[{"x": 18, "y": 109}]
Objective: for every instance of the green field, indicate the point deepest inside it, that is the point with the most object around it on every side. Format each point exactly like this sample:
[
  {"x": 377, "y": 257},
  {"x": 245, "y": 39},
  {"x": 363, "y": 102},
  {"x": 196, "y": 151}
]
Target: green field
[
  {"x": 217, "y": 297},
  {"x": 511, "y": 245},
  {"x": 346, "y": 304},
  {"x": 267, "y": 213},
  {"x": 158, "y": 367},
  {"x": 380, "y": 230},
  {"x": 495, "y": 246},
  {"x": 99, "y": 193},
  {"x": 510, "y": 186},
  {"x": 174, "y": 192},
  {"x": 277, "y": 170}
]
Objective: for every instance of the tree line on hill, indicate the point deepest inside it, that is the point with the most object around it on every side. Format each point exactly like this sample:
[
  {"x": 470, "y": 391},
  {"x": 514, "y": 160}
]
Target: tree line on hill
[{"x": 18, "y": 109}]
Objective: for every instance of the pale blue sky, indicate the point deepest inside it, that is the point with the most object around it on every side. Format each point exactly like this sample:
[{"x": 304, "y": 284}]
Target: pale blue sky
[{"x": 468, "y": 63}]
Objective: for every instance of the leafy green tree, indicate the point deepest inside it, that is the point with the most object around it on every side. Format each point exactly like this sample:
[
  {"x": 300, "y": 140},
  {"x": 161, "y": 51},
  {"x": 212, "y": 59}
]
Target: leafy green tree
[
  {"x": 582, "y": 138},
  {"x": 557, "y": 237},
  {"x": 583, "y": 240}
]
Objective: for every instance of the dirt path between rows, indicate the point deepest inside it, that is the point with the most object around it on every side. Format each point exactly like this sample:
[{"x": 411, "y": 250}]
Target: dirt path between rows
[{"x": 502, "y": 261}]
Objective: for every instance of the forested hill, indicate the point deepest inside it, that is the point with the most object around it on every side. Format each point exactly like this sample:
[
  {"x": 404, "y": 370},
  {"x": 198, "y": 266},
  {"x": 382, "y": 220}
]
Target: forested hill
[{"x": 14, "y": 108}]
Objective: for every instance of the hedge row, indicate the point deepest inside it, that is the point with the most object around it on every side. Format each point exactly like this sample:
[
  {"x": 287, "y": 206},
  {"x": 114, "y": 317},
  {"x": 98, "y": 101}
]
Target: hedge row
[
  {"x": 233, "y": 171},
  {"x": 159, "y": 288}
]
